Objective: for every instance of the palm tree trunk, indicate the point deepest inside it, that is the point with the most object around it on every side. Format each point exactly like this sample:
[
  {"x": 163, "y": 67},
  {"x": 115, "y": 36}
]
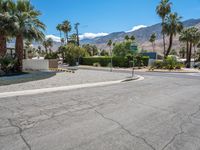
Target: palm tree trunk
[
  {"x": 2, "y": 45},
  {"x": 60, "y": 38},
  {"x": 164, "y": 44},
  {"x": 170, "y": 45},
  {"x": 189, "y": 56},
  {"x": 19, "y": 46},
  {"x": 67, "y": 37}
]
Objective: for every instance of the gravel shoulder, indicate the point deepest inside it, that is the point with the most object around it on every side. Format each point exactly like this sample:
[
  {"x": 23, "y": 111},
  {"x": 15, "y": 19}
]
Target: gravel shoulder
[{"x": 65, "y": 79}]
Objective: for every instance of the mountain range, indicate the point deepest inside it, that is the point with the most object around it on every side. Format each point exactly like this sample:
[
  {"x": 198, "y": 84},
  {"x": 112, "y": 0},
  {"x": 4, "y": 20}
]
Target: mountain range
[{"x": 142, "y": 36}]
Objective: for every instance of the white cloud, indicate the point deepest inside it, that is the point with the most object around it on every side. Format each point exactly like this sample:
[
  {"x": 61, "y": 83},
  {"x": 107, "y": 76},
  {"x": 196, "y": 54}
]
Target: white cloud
[
  {"x": 83, "y": 36},
  {"x": 137, "y": 28},
  {"x": 55, "y": 38},
  {"x": 92, "y": 35}
]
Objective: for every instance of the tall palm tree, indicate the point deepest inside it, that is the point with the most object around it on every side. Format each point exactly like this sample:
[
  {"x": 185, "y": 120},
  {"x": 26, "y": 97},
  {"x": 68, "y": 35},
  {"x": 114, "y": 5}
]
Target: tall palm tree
[
  {"x": 163, "y": 9},
  {"x": 7, "y": 23},
  {"x": 59, "y": 28},
  {"x": 77, "y": 33},
  {"x": 28, "y": 27},
  {"x": 66, "y": 28},
  {"x": 172, "y": 27},
  {"x": 152, "y": 40}
]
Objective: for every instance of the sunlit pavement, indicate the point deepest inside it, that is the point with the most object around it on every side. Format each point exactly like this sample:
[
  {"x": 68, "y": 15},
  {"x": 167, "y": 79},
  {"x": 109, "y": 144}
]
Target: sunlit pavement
[{"x": 161, "y": 112}]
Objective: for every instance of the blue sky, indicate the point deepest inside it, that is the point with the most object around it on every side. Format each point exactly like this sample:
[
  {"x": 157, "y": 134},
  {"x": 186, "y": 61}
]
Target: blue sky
[{"x": 96, "y": 16}]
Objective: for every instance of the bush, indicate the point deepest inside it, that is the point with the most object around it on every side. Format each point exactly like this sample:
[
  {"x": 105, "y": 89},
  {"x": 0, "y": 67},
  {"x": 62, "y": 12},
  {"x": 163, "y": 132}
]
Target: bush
[
  {"x": 96, "y": 64},
  {"x": 52, "y": 55},
  {"x": 8, "y": 64},
  {"x": 72, "y": 53},
  {"x": 169, "y": 63},
  {"x": 117, "y": 61}
]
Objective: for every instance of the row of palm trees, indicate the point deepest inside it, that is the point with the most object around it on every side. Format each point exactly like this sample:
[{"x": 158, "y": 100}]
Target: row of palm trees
[
  {"x": 66, "y": 27},
  {"x": 172, "y": 25},
  {"x": 19, "y": 20}
]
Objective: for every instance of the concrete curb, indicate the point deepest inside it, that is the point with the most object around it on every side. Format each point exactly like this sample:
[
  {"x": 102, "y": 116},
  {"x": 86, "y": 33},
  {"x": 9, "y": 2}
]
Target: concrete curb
[{"x": 63, "y": 88}]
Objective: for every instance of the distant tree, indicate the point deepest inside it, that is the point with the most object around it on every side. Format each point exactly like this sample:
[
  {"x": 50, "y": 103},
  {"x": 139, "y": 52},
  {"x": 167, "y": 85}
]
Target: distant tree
[
  {"x": 126, "y": 38},
  {"x": 73, "y": 39},
  {"x": 92, "y": 50},
  {"x": 122, "y": 49},
  {"x": 77, "y": 33},
  {"x": 59, "y": 28},
  {"x": 62, "y": 41},
  {"x": 152, "y": 40},
  {"x": 189, "y": 36},
  {"x": 72, "y": 53},
  {"x": 66, "y": 28},
  {"x": 132, "y": 38},
  {"x": 172, "y": 27},
  {"x": 104, "y": 53},
  {"x": 48, "y": 44},
  {"x": 163, "y": 9}
]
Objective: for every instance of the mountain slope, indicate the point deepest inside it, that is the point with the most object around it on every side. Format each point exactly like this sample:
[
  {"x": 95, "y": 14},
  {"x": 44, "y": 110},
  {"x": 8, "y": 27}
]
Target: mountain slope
[{"x": 142, "y": 35}]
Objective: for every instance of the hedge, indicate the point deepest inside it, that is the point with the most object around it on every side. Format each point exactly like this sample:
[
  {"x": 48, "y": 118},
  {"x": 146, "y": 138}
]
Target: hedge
[{"x": 117, "y": 61}]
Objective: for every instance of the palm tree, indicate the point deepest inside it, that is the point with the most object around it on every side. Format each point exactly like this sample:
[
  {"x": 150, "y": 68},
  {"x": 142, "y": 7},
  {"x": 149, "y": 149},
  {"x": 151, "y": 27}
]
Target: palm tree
[
  {"x": 73, "y": 39},
  {"x": 126, "y": 38},
  {"x": 48, "y": 44},
  {"x": 66, "y": 28},
  {"x": 109, "y": 44},
  {"x": 28, "y": 27},
  {"x": 152, "y": 40},
  {"x": 190, "y": 36},
  {"x": 163, "y": 9},
  {"x": 7, "y": 23},
  {"x": 132, "y": 38},
  {"x": 172, "y": 27},
  {"x": 77, "y": 33},
  {"x": 59, "y": 28}
]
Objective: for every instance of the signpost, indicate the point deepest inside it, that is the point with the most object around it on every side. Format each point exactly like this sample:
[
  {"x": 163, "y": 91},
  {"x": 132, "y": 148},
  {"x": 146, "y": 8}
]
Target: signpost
[{"x": 134, "y": 49}]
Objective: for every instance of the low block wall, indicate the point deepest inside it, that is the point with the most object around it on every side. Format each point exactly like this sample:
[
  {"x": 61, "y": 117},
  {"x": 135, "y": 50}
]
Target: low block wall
[
  {"x": 53, "y": 63},
  {"x": 37, "y": 64}
]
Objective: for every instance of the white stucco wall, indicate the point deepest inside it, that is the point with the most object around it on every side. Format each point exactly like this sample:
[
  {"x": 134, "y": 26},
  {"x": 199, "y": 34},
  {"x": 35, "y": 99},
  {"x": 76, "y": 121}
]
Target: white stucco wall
[{"x": 35, "y": 64}]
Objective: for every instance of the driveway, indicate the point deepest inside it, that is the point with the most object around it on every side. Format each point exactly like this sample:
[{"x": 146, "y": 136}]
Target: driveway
[{"x": 158, "y": 113}]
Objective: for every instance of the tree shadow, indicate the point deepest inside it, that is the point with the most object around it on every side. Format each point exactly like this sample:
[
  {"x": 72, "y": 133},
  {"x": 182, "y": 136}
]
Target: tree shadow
[{"x": 25, "y": 77}]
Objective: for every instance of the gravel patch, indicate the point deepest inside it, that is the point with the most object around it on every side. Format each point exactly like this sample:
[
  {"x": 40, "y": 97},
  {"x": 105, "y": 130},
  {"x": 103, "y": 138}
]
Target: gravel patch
[{"x": 65, "y": 79}]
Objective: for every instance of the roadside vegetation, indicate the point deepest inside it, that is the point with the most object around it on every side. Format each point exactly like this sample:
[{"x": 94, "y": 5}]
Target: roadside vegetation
[{"x": 19, "y": 21}]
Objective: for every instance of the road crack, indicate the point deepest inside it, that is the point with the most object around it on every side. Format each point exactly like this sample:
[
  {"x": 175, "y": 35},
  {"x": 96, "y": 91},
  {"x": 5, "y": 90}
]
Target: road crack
[
  {"x": 20, "y": 133},
  {"x": 129, "y": 132}
]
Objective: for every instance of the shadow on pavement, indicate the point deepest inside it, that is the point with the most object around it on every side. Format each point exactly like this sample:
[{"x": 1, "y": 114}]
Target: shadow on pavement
[{"x": 29, "y": 76}]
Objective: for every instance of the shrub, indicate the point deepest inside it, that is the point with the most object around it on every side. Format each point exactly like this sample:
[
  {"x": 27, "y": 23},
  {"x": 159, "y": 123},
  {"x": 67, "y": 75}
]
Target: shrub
[
  {"x": 8, "y": 64},
  {"x": 169, "y": 63},
  {"x": 117, "y": 61},
  {"x": 52, "y": 55},
  {"x": 96, "y": 64}
]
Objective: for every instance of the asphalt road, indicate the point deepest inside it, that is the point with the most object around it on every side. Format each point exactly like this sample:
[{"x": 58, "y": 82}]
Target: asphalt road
[{"x": 161, "y": 112}]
